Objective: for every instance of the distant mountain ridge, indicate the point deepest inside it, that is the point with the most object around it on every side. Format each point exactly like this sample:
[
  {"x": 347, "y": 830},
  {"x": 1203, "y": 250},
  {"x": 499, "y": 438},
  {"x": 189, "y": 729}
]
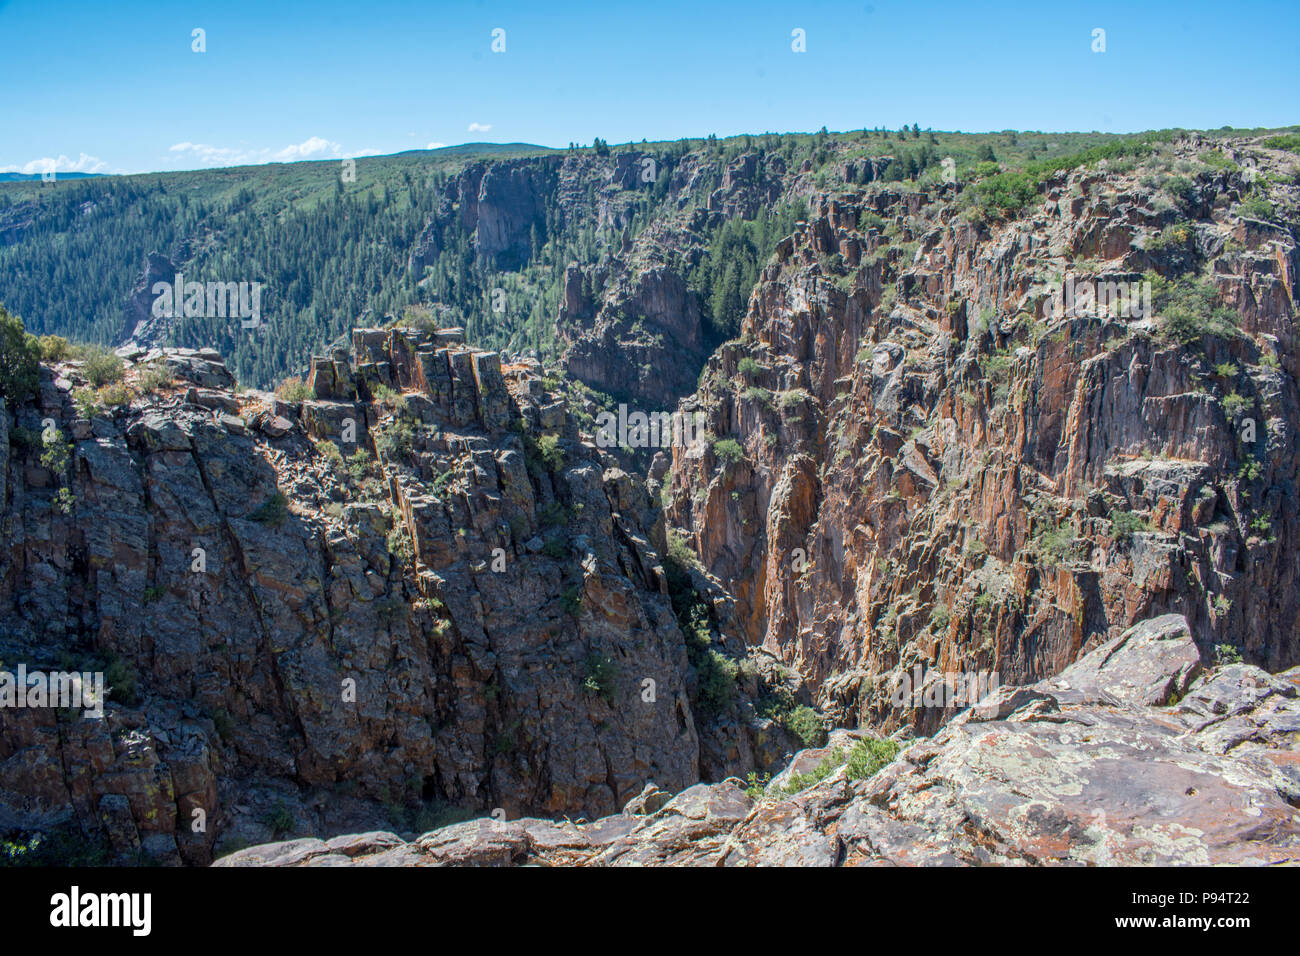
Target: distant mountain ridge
[{"x": 31, "y": 177}]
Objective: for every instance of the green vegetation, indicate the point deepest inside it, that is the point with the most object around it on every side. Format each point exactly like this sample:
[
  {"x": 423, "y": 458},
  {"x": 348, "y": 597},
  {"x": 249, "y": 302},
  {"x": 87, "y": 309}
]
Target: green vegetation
[
  {"x": 715, "y": 673},
  {"x": 869, "y": 755},
  {"x": 59, "y": 846},
  {"x": 798, "y": 782},
  {"x": 293, "y": 389},
  {"x": 738, "y": 250},
  {"x": 728, "y": 450},
  {"x": 806, "y": 724},
  {"x": 1125, "y": 524},
  {"x": 278, "y": 819},
  {"x": 600, "y": 676},
  {"x": 101, "y": 367},
  {"x": 1181, "y": 188},
  {"x": 1225, "y": 654},
  {"x": 571, "y": 600},
  {"x": 20, "y": 355},
  {"x": 1234, "y": 404},
  {"x": 1190, "y": 309},
  {"x": 1289, "y": 141},
  {"x": 273, "y": 511},
  {"x": 1257, "y": 206},
  {"x": 395, "y": 440},
  {"x": 55, "y": 453},
  {"x": 548, "y": 449},
  {"x": 1008, "y": 193}
]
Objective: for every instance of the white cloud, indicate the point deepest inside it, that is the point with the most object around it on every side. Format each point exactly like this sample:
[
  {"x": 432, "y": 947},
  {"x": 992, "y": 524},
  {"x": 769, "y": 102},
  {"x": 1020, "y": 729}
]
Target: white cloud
[
  {"x": 314, "y": 147},
  {"x": 307, "y": 149},
  {"x": 479, "y": 127},
  {"x": 82, "y": 164},
  {"x": 435, "y": 146}
]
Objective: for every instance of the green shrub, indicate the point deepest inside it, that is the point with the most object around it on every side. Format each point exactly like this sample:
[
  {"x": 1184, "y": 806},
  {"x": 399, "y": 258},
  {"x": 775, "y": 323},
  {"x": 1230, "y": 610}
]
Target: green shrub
[
  {"x": 154, "y": 377},
  {"x": 358, "y": 466},
  {"x": 798, "y": 782},
  {"x": 939, "y": 617},
  {"x": 293, "y": 389},
  {"x": 101, "y": 366},
  {"x": 1124, "y": 524},
  {"x": 113, "y": 396},
  {"x": 278, "y": 819},
  {"x": 1007, "y": 193},
  {"x": 806, "y": 724},
  {"x": 273, "y": 511},
  {"x": 1217, "y": 159},
  {"x": 1256, "y": 206},
  {"x": 548, "y": 448},
  {"x": 55, "y": 452},
  {"x": 1190, "y": 310},
  {"x": 679, "y": 552},
  {"x": 553, "y": 515},
  {"x": 63, "y": 846},
  {"x": 386, "y": 398},
  {"x": 1175, "y": 235},
  {"x": 120, "y": 678},
  {"x": 748, "y": 367},
  {"x": 728, "y": 450},
  {"x": 1226, "y": 654},
  {"x": 1180, "y": 188},
  {"x": 399, "y": 543},
  {"x": 756, "y": 785},
  {"x": 395, "y": 440},
  {"x": 1289, "y": 141},
  {"x": 869, "y": 755},
  {"x": 794, "y": 397},
  {"x": 1234, "y": 404},
  {"x": 601, "y": 673},
  {"x": 55, "y": 348},
  {"x": 20, "y": 355}
]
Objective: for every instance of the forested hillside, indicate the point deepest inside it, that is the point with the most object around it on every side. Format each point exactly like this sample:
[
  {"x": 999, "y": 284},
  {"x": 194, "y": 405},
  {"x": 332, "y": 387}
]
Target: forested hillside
[{"x": 403, "y": 239}]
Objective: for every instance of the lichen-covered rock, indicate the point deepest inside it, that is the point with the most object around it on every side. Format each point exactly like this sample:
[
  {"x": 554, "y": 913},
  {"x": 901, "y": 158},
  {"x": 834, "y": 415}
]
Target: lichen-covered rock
[{"x": 1094, "y": 779}]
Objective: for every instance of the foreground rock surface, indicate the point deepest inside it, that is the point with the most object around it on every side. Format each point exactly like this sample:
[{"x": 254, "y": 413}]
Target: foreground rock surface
[{"x": 1078, "y": 769}]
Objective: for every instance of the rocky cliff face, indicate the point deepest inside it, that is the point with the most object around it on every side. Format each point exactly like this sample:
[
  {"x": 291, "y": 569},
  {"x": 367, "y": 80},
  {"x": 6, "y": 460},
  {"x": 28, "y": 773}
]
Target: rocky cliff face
[
  {"x": 1133, "y": 756},
  {"x": 630, "y": 325},
  {"x": 418, "y": 592},
  {"x": 931, "y": 464}
]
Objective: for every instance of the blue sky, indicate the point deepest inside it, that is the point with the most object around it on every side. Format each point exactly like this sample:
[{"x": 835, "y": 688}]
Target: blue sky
[{"x": 115, "y": 87}]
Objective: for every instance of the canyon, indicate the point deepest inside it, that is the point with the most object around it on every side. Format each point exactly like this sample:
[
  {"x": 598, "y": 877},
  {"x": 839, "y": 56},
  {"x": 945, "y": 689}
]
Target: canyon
[{"x": 436, "y": 621}]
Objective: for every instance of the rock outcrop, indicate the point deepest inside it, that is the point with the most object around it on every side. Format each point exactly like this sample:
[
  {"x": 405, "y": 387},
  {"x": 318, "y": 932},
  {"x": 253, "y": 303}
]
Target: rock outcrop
[
  {"x": 416, "y": 592},
  {"x": 1135, "y": 755},
  {"x": 931, "y": 462}
]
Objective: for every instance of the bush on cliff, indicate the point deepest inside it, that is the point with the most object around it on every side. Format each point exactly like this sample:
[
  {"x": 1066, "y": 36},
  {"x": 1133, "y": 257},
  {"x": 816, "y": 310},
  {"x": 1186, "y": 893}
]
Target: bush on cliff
[{"x": 19, "y": 359}]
